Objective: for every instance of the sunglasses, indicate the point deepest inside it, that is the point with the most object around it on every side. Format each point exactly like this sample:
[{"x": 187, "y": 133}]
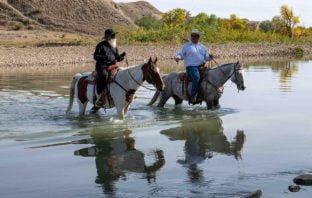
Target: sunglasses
[
  {"x": 194, "y": 35},
  {"x": 113, "y": 36}
]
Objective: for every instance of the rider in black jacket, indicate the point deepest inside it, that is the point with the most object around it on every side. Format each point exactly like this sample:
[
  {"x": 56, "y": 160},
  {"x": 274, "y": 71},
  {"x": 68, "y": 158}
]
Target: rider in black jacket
[{"x": 106, "y": 54}]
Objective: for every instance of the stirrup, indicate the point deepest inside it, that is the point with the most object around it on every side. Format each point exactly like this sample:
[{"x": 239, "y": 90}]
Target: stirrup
[
  {"x": 195, "y": 100},
  {"x": 98, "y": 103}
]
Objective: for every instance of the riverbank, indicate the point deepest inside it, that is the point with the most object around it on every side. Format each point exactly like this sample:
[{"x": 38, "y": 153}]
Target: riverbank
[{"x": 40, "y": 57}]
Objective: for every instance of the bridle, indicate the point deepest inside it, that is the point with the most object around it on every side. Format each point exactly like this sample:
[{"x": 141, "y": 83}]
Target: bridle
[
  {"x": 227, "y": 77},
  {"x": 233, "y": 73},
  {"x": 151, "y": 79}
]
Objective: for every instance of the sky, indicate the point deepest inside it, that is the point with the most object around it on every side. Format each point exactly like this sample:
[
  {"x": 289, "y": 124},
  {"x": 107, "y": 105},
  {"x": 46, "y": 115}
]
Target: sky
[{"x": 250, "y": 9}]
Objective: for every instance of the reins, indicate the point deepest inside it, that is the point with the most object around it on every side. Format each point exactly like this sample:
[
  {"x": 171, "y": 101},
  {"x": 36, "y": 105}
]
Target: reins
[
  {"x": 140, "y": 84},
  {"x": 227, "y": 77},
  {"x": 115, "y": 81}
]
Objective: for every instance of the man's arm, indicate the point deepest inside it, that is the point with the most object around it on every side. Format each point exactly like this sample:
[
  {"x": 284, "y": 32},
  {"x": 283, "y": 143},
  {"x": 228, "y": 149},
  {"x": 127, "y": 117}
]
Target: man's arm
[
  {"x": 206, "y": 54},
  {"x": 180, "y": 55},
  {"x": 100, "y": 54}
]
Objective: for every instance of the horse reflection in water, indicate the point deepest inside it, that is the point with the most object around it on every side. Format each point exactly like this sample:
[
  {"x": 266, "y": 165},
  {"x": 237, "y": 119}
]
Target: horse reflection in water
[
  {"x": 203, "y": 138},
  {"x": 114, "y": 157}
]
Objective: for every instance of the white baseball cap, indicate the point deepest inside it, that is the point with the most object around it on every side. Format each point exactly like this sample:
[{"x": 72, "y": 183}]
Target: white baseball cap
[{"x": 196, "y": 31}]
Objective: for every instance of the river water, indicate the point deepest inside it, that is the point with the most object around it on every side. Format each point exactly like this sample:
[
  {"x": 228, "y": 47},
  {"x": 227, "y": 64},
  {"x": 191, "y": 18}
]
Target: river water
[{"x": 258, "y": 139}]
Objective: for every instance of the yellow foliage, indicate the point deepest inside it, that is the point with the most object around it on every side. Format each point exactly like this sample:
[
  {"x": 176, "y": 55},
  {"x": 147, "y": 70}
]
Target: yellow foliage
[
  {"x": 175, "y": 17},
  {"x": 289, "y": 19},
  {"x": 299, "y": 31}
]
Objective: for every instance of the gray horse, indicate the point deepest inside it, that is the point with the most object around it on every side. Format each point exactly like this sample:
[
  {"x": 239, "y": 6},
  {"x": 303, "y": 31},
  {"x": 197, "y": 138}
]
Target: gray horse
[{"x": 212, "y": 85}]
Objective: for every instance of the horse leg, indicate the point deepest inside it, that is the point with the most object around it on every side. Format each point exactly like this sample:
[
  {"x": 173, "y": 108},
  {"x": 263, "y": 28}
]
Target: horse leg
[
  {"x": 177, "y": 100},
  {"x": 82, "y": 107},
  {"x": 209, "y": 104},
  {"x": 126, "y": 109},
  {"x": 216, "y": 103},
  {"x": 163, "y": 99},
  {"x": 120, "y": 112},
  {"x": 120, "y": 107}
]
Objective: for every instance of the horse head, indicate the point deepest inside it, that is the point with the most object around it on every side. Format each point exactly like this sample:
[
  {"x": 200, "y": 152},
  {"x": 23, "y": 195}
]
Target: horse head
[
  {"x": 238, "y": 76},
  {"x": 152, "y": 75}
]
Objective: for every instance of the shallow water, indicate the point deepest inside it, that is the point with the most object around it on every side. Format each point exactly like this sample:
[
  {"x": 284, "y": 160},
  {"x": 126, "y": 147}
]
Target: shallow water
[{"x": 258, "y": 139}]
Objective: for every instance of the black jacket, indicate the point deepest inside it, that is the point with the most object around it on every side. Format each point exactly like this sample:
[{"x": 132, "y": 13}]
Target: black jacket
[{"x": 105, "y": 55}]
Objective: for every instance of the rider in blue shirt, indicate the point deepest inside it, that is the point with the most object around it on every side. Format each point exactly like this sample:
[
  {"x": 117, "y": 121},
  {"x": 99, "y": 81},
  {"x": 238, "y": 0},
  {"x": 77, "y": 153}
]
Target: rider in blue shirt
[{"x": 194, "y": 55}]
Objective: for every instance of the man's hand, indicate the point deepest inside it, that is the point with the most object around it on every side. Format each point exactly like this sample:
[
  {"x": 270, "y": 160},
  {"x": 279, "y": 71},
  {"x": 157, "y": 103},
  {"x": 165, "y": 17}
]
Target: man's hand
[
  {"x": 122, "y": 56},
  {"x": 176, "y": 59}
]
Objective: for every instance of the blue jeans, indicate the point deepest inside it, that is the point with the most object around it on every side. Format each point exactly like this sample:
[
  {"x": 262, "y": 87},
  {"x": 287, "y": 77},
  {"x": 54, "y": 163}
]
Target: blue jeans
[{"x": 193, "y": 72}]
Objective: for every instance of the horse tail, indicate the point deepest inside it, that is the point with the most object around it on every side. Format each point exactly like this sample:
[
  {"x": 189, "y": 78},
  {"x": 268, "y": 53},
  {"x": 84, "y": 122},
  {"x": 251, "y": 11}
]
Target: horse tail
[
  {"x": 153, "y": 100},
  {"x": 72, "y": 91}
]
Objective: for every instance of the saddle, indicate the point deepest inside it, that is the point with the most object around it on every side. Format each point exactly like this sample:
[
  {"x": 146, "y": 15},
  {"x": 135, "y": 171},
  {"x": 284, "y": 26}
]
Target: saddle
[
  {"x": 105, "y": 100},
  {"x": 202, "y": 71},
  {"x": 186, "y": 79}
]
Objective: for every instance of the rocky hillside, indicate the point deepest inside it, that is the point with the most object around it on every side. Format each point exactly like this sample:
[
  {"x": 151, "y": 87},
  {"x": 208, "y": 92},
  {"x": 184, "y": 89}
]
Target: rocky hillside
[
  {"x": 85, "y": 16},
  {"x": 136, "y": 10}
]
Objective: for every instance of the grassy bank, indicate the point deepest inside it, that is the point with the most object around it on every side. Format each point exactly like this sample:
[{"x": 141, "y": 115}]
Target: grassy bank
[
  {"x": 173, "y": 35},
  {"x": 140, "y": 36}
]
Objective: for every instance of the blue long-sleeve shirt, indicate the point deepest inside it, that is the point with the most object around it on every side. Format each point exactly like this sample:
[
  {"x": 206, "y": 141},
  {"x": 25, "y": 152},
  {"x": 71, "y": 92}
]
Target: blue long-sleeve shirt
[{"x": 193, "y": 54}]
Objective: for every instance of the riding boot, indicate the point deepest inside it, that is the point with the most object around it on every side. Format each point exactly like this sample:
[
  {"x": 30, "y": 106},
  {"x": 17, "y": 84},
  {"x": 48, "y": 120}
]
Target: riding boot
[
  {"x": 101, "y": 100},
  {"x": 94, "y": 109},
  {"x": 193, "y": 100},
  {"x": 98, "y": 102},
  {"x": 101, "y": 88}
]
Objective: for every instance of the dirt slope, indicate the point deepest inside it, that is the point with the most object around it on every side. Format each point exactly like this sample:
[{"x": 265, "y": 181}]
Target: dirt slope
[
  {"x": 135, "y": 10},
  {"x": 85, "y": 16}
]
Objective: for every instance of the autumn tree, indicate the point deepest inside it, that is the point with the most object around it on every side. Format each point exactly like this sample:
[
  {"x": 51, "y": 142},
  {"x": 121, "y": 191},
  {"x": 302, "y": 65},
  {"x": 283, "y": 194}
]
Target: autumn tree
[
  {"x": 277, "y": 24},
  {"x": 289, "y": 19},
  {"x": 202, "y": 20},
  {"x": 175, "y": 17},
  {"x": 234, "y": 23}
]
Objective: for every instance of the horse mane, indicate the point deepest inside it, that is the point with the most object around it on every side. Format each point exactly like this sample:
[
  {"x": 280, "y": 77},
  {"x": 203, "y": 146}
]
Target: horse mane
[
  {"x": 223, "y": 65},
  {"x": 131, "y": 67}
]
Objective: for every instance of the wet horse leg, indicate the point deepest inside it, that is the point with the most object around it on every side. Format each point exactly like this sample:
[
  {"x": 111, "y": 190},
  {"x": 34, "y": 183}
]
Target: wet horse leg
[
  {"x": 177, "y": 100},
  {"x": 126, "y": 108},
  {"x": 163, "y": 99},
  {"x": 120, "y": 107},
  {"x": 82, "y": 95},
  {"x": 209, "y": 104},
  {"x": 82, "y": 107},
  {"x": 216, "y": 103}
]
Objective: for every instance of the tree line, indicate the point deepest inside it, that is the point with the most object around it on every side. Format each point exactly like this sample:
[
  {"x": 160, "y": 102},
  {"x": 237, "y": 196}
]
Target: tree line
[{"x": 174, "y": 25}]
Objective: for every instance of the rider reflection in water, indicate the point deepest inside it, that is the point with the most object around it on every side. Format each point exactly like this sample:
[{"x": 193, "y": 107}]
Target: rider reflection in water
[
  {"x": 202, "y": 139},
  {"x": 116, "y": 156}
]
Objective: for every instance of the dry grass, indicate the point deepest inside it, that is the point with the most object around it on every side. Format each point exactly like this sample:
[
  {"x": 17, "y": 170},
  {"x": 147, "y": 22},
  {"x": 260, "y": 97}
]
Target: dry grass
[{"x": 24, "y": 38}]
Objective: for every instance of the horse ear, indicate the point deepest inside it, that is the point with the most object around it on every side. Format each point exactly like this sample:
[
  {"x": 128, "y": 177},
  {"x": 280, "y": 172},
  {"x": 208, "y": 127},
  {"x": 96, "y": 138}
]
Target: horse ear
[
  {"x": 150, "y": 60},
  {"x": 237, "y": 62},
  {"x": 155, "y": 61}
]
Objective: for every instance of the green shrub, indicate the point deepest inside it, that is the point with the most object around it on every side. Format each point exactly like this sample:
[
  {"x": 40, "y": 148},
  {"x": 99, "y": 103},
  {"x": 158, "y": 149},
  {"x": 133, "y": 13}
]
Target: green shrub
[
  {"x": 299, "y": 52},
  {"x": 148, "y": 22},
  {"x": 266, "y": 26}
]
